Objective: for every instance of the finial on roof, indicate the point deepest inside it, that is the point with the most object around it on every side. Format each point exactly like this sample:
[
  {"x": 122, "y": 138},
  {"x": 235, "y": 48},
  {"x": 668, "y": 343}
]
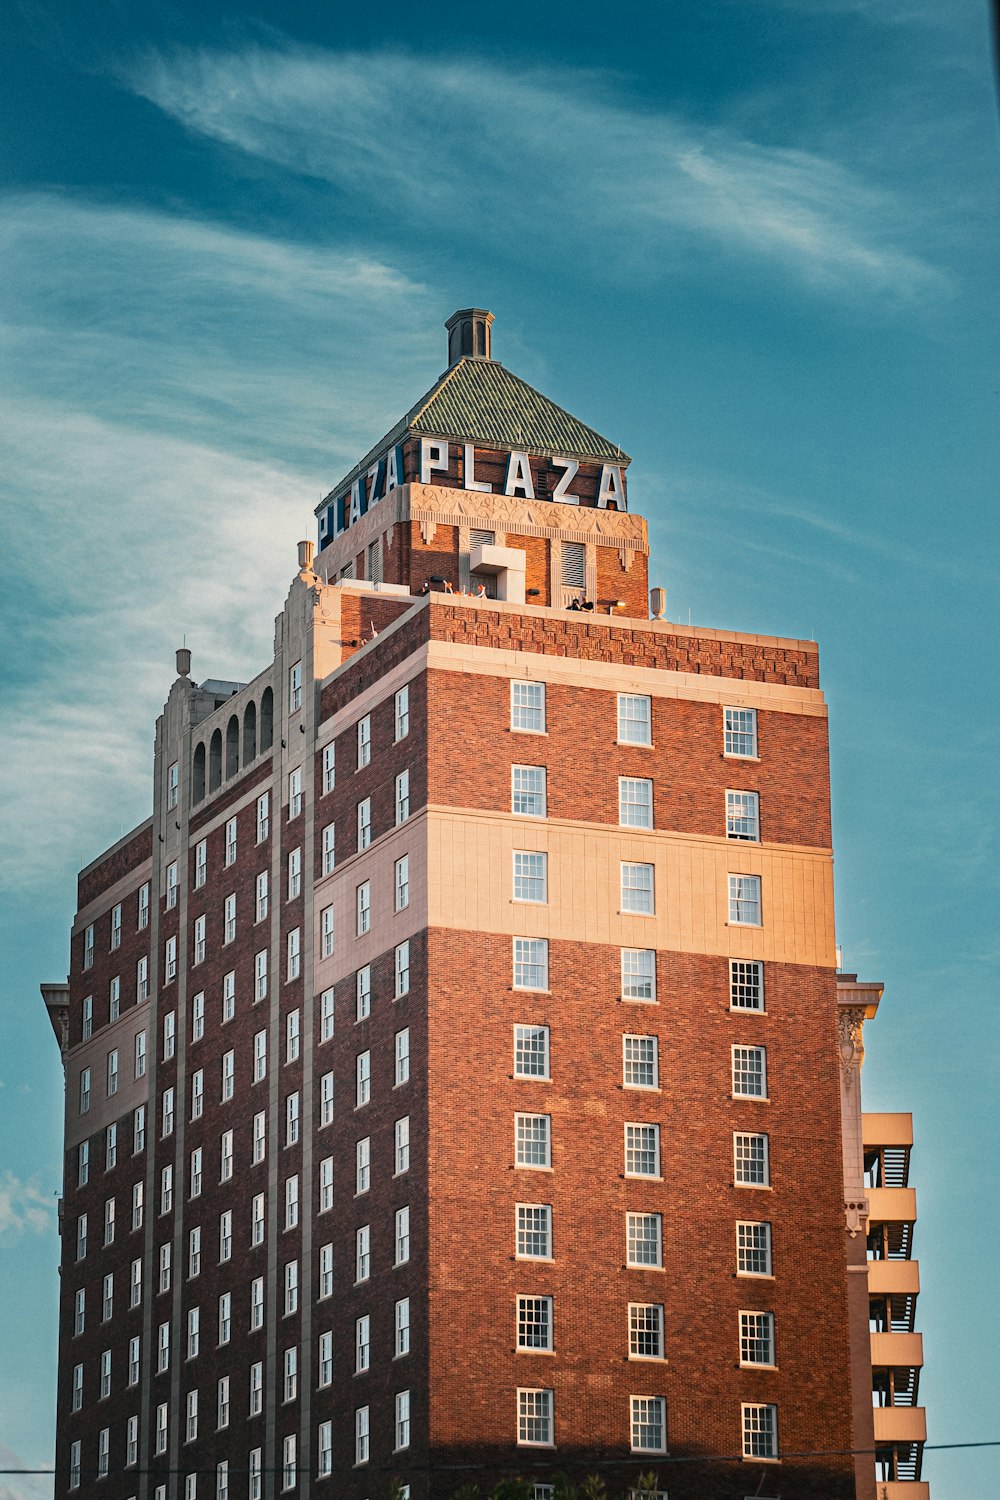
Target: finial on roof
[{"x": 469, "y": 334}]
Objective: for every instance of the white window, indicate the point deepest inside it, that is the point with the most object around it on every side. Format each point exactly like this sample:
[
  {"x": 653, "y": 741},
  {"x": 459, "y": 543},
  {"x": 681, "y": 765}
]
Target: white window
[
  {"x": 139, "y": 1129},
  {"x": 163, "y": 1348},
  {"x": 291, "y": 1201},
  {"x": 527, "y": 791},
  {"x": 289, "y": 1467},
  {"x": 263, "y": 816},
  {"x": 294, "y": 792},
  {"x": 326, "y": 1184},
  {"x": 402, "y": 968},
  {"x": 329, "y": 848},
  {"x": 81, "y": 1237},
  {"x": 324, "y": 1459},
  {"x": 74, "y": 1465},
  {"x": 79, "y": 1311},
  {"x": 161, "y": 1428},
  {"x": 112, "y": 1072},
  {"x": 750, "y": 1158},
  {"x": 402, "y": 1145},
  {"x": 363, "y": 1079},
  {"x": 325, "y": 1271},
  {"x": 77, "y": 1402},
  {"x": 198, "y": 1016},
  {"x": 142, "y": 917},
  {"x": 534, "y": 1322},
  {"x": 760, "y": 1431},
  {"x": 257, "y": 1219},
  {"x": 257, "y": 1303},
  {"x": 534, "y": 1231},
  {"x": 294, "y": 954},
  {"x": 84, "y": 1090},
  {"x": 103, "y": 1445},
  {"x": 83, "y": 1160},
  {"x": 140, "y": 1054},
  {"x": 222, "y": 1402},
  {"x": 740, "y": 732},
  {"x": 230, "y": 918},
  {"x": 222, "y": 1479},
  {"x": 402, "y": 796},
  {"x": 142, "y": 979},
  {"x": 326, "y": 1099},
  {"x": 132, "y": 1442},
  {"x": 225, "y": 1317},
  {"x": 644, "y": 1240},
  {"x": 294, "y": 873},
  {"x": 324, "y": 1363},
  {"x": 402, "y": 1056},
  {"x": 749, "y": 1072},
  {"x": 361, "y": 1435},
  {"x": 532, "y": 1140},
  {"x": 197, "y": 1157},
  {"x": 753, "y": 1248},
  {"x": 364, "y": 908},
  {"x": 326, "y": 1017},
  {"x": 362, "y": 1165},
  {"x": 402, "y": 1237},
  {"x": 363, "y": 1253},
  {"x": 169, "y": 1034},
  {"x": 228, "y": 1074},
  {"x": 193, "y": 1332},
  {"x": 402, "y": 1420},
  {"x": 363, "y": 993},
  {"x": 531, "y": 964},
  {"x": 291, "y": 1287},
  {"x": 756, "y": 1338},
  {"x": 197, "y": 1094},
  {"x": 534, "y": 1418},
  {"x": 402, "y": 883},
  {"x": 261, "y": 897},
  {"x": 230, "y": 841},
  {"x": 259, "y": 1148},
  {"x": 108, "y": 1298},
  {"x": 254, "y": 1488},
  {"x": 194, "y": 1252},
  {"x": 530, "y": 875},
  {"x": 635, "y": 802},
  {"x": 364, "y": 823},
  {"x": 640, "y": 1062},
  {"x": 402, "y": 716},
  {"x": 326, "y": 932},
  {"x": 648, "y": 1424},
  {"x": 746, "y": 985},
  {"x": 362, "y": 1344},
  {"x": 200, "y": 863},
  {"x": 115, "y": 998},
  {"x": 260, "y": 976},
  {"x": 637, "y": 888},
  {"x": 167, "y": 1112},
  {"x": 135, "y": 1283},
  {"x": 744, "y": 900},
  {"x": 742, "y": 816},
  {"x": 293, "y": 1035},
  {"x": 165, "y": 1253},
  {"x": 642, "y": 1150},
  {"x": 402, "y": 1342},
  {"x": 259, "y": 1056},
  {"x": 199, "y": 940},
  {"x": 364, "y": 741},
  {"x": 527, "y": 707},
  {"x": 256, "y": 1394},
  {"x": 228, "y": 996},
  {"x": 171, "y": 893},
  {"x": 105, "y": 1386},
  {"x": 634, "y": 719},
  {"x": 295, "y": 687},
  {"x": 173, "y": 784},
  {"x": 329, "y": 767},
  {"x": 645, "y": 1330},
  {"x": 290, "y": 1384},
  {"x": 116, "y": 926},
  {"x": 133, "y": 1360},
  {"x": 88, "y": 947},
  {"x": 138, "y": 1192},
  {"x": 226, "y": 1235},
  {"x": 109, "y": 1221}
]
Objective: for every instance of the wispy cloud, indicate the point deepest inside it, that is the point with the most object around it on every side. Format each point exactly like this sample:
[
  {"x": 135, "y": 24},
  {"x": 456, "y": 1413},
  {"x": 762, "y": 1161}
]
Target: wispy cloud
[
  {"x": 23, "y": 1486},
  {"x": 542, "y": 156},
  {"x": 24, "y": 1209}
]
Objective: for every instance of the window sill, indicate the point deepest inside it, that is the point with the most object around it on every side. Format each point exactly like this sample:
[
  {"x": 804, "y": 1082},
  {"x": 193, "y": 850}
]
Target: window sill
[
  {"x": 636, "y": 744},
  {"x": 549, "y": 1353},
  {"x": 647, "y": 1359},
  {"x": 539, "y": 734},
  {"x": 746, "y": 1010},
  {"x": 750, "y": 1098},
  {"x": 752, "y": 1365},
  {"x": 753, "y": 1187},
  {"x": 732, "y": 755}
]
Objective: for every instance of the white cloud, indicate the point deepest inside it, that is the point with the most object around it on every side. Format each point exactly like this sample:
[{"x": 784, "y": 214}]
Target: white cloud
[
  {"x": 23, "y": 1486},
  {"x": 24, "y": 1209},
  {"x": 531, "y": 156}
]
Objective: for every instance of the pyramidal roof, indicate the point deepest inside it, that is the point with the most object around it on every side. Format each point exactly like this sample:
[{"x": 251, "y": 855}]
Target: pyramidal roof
[{"x": 479, "y": 401}]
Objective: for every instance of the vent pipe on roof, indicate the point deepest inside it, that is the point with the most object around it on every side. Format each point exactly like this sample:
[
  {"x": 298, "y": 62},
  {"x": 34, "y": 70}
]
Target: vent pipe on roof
[{"x": 469, "y": 334}]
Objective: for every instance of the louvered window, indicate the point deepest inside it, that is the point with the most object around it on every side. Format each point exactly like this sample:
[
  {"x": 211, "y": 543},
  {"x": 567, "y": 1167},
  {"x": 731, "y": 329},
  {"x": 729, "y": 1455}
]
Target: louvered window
[{"x": 574, "y": 565}]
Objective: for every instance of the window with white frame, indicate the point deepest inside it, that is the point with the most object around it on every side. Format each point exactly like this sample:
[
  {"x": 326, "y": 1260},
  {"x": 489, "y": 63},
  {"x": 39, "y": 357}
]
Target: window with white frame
[
  {"x": 105, "y": 1382},
  {"x": 402, "y": 969},
  {"x": 103, "y": 1451},
  {"x": 530, "y": 875},
  {"x": 637, "y": 888},
  {"x": 402, "y": 1420},
  {"x": 531, "y": 963},
  {"x": 740, "y": 733},
  {"x": 256, "y": 1391},
  {"x": 293, "y": 1035},
  {"x": 294, "y": 793},
  {"x": 363, "y": 1079},
  {"x": 173, "y": 784},
  {"x": 193, "y": 1332},
  {"x": 226, "y": 1235},
  {"x": 108, "y": 1297},
  {"x": 756, "y": 1338},
  {"x": 753, "y": 1248},
  {"x": 294, "y": 873},
  {"x": 644, "y": 1239},
  {"x": 133, "y": 1360},
  {"x": 363, "y": 993},
  {"x": 292, "y": 1121},
  {"x": 402, "y": 1073},
  {"x": 291, "y": 1201},
  {"x": 194, "y": 1252},
  {"x": 361, "y": 1435},
  {"x": 648, "y": 1424},
  {"x": 142, "y": 979},
  {"x": 79, "y": 1311},
  {"x": 402, "y": 1145},
  {"x": 750, "y": 1160},
  {"x": 749, "y": 1072},
  {"x": 259, "y": 1149},
  {"x": 84, "y": 1090},
  {"x": 200, "y": 863},
  {"x": 88, "y": 947},
  {"x": 527, "y": 707},
  {"x": 326, "y": 1099},
  {"x": 329, "y": 848},
  {"x": 197, "y": 1093},
  {"x": 289, "y": 1466},
  {"x": 532, "y": 1140},
  {"x": 290, "y": 1383},
  {"x": 166, "y": 1201},
  {"x": 742, "y": 816},
  {"x": 222, "y": 1402},
  {"x": 324, "y": 1362},
  {"x": 167, "y": 1112},
  {"x": 116, "y": 926},
  {"x": 77, "y": 1400},
  {"x": 226, "y": 1317},
  {"x": 163, "y": 1348},
  {"x": 293, "y": 954},
  {"x": 744, "y": 900},
  {"x": 135, "y": 1283},
  {"x": 197, "y": 1157},
  {"x": 230, "y": 918},
  {"x": 325, "y": 1287},
  {"x": 142, "y": 908},
  {"x": 132, "y": 1442},
  {"x": 746, "y": 985},
  {"x": 170, "y": 897},
  {"x": 402, "y": 882},
  {"x": 228, "y": 1074},
  {"x": 257, "y": 1303},
  {"x": 109, "y": 1221},
  {"x": 115, "y": 998},
  {"x": 88, "y": 1019},
  {"x": 291, "y": 1287},
  {"x": 528, "y": 791},
  {"x": 364, "y": 823},
  {"x": 362, "y": 1165},
  {"x": 254, "y": 1479},
  {"x": 295, "y": 687},
  {"x": 634, "y": 719},
  {"x": 326, "y": 1015},
  {"x": 326, "y": 1184},
  {"x": 640, "y": 1062},
  {"x": 362, "y": 1344},
  {"x": 222, "y": 1479},
  {"x": 198, "y": 1016},
  {"x": 228, "y": 996},
  {"x": 363, "y": 1253},
  {"x": 74, "y": 1465},
  {"x": 642, "y": 1150},
  {"x": 534, "y": 1231},
  {"x": 260, "y": 976},
  {"x": 112, "y": 1078},
  {"x": 198, "y": 947},
  {"x": 160, "y": 1444},
  {"x": 259, "y": 1056},
  {"x": 138, "y": 1129},
  {"x": 534, "y": 1323},
  {"x": 263, "y": 816},
  {"x": 760, "y": 1431},
  {"x": 261, "y": 897},
  {"x": 402, "y": 713},
  {"x": 535, "y": 1426},
  {"x": 635, "y": 802},
  {"x": 83, "y": 1157},
  {"x": 402, "y": 796},
  {"x": 364, "y": 741},
  {"x": 645, "y": 1330},
  {"x": 329, "y": 767},
  {"x": 230, "y": 855},
  {"x": 531, "y": 1051},
  {"x": 401, "y": 1242},
  {"x": 81, "y": 1237},
  {"x": 324, "y": 1450}
]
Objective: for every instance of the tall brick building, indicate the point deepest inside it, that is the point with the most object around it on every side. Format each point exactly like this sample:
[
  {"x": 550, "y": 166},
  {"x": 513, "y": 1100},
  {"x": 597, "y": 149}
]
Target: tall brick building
[{"x": 460, "y": 1079}]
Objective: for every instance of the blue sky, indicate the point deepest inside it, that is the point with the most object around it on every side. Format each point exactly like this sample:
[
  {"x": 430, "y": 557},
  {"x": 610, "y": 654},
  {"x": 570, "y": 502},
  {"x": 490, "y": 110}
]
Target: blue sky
[{"x": 753, "y": 241}]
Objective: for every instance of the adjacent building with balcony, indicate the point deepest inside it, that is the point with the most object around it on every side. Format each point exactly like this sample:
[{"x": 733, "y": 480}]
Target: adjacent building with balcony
[{"x": 461, "y": 1083}]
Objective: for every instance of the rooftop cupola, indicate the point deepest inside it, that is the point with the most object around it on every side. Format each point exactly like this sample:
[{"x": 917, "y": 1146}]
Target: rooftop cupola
[{"x": 469, "y": 334}]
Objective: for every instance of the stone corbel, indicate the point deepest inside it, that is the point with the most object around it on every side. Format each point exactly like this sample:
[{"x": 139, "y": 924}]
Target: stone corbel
[
  {"x": 850, "y": 1027},
  {"x": 427, "y": 531},
  {"x": 856, "y": 1216}
]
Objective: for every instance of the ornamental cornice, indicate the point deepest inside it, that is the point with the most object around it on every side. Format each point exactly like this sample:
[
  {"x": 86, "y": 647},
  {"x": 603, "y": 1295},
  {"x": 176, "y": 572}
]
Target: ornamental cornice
[{"x": 445, "y": 506}]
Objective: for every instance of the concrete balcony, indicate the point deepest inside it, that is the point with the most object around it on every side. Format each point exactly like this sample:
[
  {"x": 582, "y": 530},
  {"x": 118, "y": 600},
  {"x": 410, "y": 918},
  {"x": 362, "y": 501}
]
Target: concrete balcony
[
  {"x": 893, "y": 1205},
  {"x": 900, "y": 1424},
  {"x": 886, "y": 1130},
  {"x": 894, "y": 1278},
  {"x": 902, "y": 1489},
  {"x": 899, "y": 1351}
]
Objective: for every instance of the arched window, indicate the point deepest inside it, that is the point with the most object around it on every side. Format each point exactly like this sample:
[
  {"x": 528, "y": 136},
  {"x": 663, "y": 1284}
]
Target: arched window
[
  {"x": 232, "y": 747},
  {"x": 250, "y": 733},
  {"x": 198, "y": 772},
  {"x": 266, "y": 719},
  {"x": 215, "y": 761}
]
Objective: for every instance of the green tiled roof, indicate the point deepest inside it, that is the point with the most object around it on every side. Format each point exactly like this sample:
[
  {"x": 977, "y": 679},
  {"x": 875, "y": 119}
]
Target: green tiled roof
[{"x": 480, "y": 401}]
